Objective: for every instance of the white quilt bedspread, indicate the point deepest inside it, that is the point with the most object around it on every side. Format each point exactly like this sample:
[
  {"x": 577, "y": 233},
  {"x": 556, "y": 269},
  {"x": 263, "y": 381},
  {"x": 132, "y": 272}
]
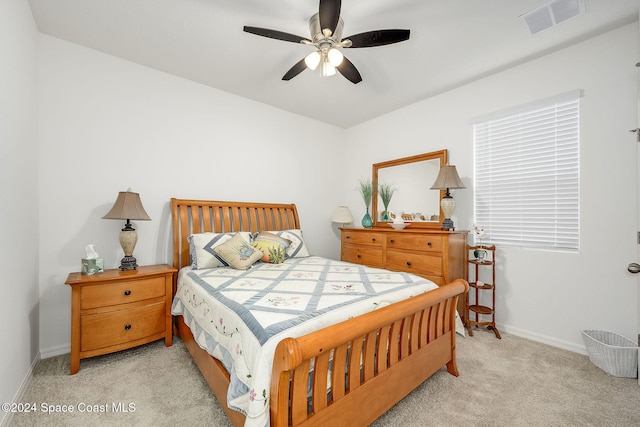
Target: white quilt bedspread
[{"x": 239, "y": 316}]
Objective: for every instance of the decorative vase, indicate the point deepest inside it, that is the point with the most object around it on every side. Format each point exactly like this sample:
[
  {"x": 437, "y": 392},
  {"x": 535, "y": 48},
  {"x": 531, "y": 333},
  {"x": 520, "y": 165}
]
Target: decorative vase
[
  {"x": 480, "y": 254},
  {"x": 385, "y": 215},
  {"x": 367, "y": 222}
]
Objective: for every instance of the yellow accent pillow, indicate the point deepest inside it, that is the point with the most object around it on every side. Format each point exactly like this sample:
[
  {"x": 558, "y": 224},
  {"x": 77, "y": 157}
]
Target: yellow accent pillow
[{"x": 272, "y": 246}]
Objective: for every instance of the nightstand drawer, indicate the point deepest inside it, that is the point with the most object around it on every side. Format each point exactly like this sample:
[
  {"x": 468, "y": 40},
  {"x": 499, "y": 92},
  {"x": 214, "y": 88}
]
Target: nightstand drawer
[
  {"x": 415, "y": 242},
  {"x": 422, "y": 264},
  {"x": 118, "y": 327},
  {"x": 370, "y": 256},
  {"x": 122, "y": 292},
  {"x": 363, "y": 238}
]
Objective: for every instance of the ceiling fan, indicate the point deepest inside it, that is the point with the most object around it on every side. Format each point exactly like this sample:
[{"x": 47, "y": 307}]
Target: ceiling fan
[{"x": 326, "y": 36}]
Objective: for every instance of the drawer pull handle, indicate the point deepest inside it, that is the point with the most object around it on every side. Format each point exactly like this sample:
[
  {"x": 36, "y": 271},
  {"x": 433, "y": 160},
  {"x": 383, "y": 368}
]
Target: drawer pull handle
[
  {"x": 359, "y": 256},
  {"x": 428, "y": 243},
  {"x": 127, "y": 327},
  {"x": 392, "y": 241},
  {"x": 373, "y": 239},
  {"x": 347, "y": 237},
  {"x": 409, "y": 263},
  {"x": 127, "y": 292}
]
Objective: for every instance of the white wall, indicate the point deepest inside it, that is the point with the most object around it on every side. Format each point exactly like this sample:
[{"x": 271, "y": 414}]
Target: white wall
[
  {"x": 108, "y": 124},
  {"x": 19, "y": 195},
  {"x": 547, "y": 296}
]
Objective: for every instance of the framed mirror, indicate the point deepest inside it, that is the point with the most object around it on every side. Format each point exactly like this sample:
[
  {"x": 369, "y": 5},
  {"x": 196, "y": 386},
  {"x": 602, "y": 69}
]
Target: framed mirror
[{"x": 411, "y": 179}]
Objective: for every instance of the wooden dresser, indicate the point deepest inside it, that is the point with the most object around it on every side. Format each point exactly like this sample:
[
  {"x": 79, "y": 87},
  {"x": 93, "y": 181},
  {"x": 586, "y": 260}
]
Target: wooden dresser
[
  {"x": 115, "y": 310},
  {"x": 436, "y": 255}
]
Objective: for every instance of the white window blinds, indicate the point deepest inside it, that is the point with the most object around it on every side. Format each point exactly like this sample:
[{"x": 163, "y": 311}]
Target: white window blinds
[{"x": 526, "y": 174}]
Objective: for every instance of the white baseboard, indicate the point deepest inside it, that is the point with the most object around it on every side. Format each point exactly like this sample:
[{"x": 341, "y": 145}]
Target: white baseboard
[
  {"x": 565, "y": 345},
  {"x": 7, "y": 417},
  {"x": 55, "y": 351}
]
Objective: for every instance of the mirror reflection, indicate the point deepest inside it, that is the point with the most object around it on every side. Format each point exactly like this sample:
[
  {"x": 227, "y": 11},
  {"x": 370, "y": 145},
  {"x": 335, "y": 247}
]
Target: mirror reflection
[{"x": 412, "y": 199}]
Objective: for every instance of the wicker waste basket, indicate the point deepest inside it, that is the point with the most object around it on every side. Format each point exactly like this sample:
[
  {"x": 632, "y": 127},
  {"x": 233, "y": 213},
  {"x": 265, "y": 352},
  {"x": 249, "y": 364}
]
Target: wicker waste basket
[{"x": 613, "y": 353}]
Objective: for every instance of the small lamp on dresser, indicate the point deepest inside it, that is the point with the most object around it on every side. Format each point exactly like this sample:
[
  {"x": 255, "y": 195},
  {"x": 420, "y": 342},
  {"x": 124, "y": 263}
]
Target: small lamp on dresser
[
  {"x": 342, "y": 215},
  {"x": 447, "y": 178},
  {"x": 128, "y": 207}
]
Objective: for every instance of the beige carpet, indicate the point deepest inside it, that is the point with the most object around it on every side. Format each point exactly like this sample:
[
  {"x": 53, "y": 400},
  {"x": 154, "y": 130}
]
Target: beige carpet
[{"x": 508, "y": 382}]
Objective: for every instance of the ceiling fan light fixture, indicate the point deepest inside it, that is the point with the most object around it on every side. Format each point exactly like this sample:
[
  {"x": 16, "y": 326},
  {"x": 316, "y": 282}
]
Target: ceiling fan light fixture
[
  {"x": 328, "y": 69},
  {"x": 312, "y": 60},
  {"x": 326, "y": 37},
  {"x": 335, "y": 56}
]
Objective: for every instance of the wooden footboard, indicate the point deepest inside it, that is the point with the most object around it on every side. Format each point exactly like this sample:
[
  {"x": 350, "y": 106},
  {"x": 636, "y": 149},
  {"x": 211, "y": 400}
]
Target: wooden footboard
[{"x": 372, "y": 361}]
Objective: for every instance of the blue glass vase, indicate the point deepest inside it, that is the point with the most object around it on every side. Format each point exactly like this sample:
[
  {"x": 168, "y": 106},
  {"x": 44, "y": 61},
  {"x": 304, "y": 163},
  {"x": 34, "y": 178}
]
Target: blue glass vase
[
  {"x": 385, "y": 215},
  {"x": 367, "y": 222}
]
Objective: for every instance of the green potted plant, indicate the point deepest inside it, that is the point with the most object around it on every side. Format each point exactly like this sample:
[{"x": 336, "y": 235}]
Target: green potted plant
[
  {"x": 386, "y": 192},
  {"x": 366, "y": 190}
]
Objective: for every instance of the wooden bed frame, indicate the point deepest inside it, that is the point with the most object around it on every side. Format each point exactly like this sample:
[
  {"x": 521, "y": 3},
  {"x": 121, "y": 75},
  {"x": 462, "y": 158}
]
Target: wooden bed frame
[{"x": 377, "y": 358}]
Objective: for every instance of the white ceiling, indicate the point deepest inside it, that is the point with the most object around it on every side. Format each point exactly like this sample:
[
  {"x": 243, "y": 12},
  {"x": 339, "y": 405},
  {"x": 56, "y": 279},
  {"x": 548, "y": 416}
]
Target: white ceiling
[{"x": 452, "y": 42}]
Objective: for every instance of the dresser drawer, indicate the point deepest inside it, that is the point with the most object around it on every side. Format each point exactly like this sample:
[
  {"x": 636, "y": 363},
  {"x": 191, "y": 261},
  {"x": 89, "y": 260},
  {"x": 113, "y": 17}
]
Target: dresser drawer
[
  {"x": 414, "y": 242},
  {"x": 365, "y": 255},
  {"x": 366, "y": 238},
  {"x": 122, "y": 292},
  {"x": 119, "y": 327},
  {"x": 417, "y": 263}
]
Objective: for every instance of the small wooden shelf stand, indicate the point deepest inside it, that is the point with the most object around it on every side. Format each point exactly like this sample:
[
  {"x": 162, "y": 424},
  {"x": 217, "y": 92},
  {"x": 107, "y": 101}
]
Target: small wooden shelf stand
[{"x": 476, "y": 287}]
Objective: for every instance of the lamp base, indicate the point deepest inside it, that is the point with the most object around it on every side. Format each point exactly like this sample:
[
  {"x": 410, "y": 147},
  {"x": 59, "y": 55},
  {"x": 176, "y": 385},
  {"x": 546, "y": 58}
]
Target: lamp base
[
  {"x": 128, "y": 263},
  {"x": 447, "y": 224}
]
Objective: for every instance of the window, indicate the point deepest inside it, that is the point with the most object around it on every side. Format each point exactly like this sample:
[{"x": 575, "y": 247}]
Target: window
[{"x": 526, "y": 174}]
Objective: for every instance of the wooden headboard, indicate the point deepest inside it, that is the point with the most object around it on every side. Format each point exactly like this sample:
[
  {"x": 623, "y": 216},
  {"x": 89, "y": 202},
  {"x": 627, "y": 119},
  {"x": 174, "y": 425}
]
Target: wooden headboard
[{"x": 201, "y": 216}]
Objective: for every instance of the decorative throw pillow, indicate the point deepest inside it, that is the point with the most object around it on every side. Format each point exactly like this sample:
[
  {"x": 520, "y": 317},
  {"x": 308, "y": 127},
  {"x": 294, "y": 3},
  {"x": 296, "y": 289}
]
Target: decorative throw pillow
[
  {"x": 297, "y": 248},
  {"x": 201, "y": 248},
  {"x": 238, "y": 253},
  {"x": 272, "y": 246}
]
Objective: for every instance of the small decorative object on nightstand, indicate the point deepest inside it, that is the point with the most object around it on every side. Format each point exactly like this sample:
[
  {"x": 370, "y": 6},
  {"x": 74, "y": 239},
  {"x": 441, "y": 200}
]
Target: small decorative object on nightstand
[
  {"x": 116, "y": 310},
  {"x": 488, "y": 263}
]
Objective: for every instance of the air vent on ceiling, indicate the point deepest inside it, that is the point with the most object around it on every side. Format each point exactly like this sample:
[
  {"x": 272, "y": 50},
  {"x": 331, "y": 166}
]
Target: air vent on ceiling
[{"x": 551, "y": 14}]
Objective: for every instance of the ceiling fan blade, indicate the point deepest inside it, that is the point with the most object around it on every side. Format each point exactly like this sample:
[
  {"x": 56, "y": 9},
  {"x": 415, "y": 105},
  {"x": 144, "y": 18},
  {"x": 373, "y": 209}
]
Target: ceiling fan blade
[
  {"x": 299, "y": 67},
  {"x": 274, "y": 34},
  {"x": 378, "y": 38},
  {"x": 329, "y": 13},
  {"x": 350, "y": 71}
]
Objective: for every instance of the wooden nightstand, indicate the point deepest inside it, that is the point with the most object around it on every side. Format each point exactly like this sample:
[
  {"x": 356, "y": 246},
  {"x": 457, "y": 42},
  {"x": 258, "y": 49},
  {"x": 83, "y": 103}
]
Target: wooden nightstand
[{"x": 116, "y": 310}]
